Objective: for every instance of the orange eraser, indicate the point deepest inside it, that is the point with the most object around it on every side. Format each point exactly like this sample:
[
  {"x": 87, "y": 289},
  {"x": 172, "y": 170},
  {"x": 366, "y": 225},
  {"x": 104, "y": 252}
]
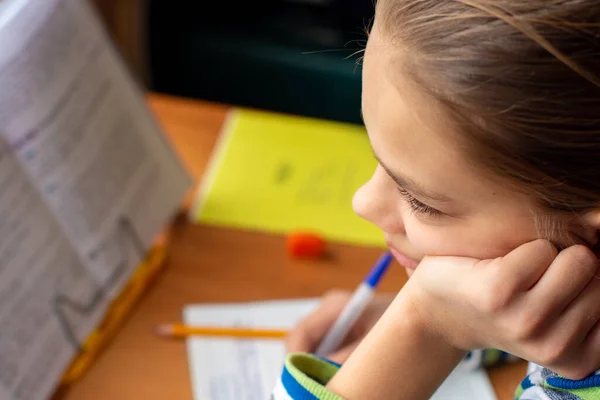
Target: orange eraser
[{"x": 305, "y": 245}]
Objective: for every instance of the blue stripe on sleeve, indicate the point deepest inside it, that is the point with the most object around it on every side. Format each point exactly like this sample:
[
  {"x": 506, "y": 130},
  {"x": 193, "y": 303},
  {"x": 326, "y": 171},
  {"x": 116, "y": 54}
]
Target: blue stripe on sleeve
[
  {"x": 526, "y": 383},
  {"x": 294, "y": 388},
  {"x": 567, "y": 384}
]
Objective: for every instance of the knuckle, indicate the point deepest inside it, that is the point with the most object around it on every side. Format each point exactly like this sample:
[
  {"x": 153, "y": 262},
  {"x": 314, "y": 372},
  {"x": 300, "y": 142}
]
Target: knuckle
[
  {"x": 580, "y": 256},
  {"x": 494, "y": 299},
  {"x": 521, "y": 331},
  {"x": 553, "y": 353},
  {"x": 545, "y": 249},
  {"x": 527, "y": 326},
  {"x": 491, "y": 303},
  {"x": 487, "y": 302},
  {"x": 500, "y": 288}
]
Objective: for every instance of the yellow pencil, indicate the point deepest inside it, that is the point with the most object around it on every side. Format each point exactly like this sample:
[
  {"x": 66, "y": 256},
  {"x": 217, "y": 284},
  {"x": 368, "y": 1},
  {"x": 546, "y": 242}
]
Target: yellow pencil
[{"x": 182, "y": 331}]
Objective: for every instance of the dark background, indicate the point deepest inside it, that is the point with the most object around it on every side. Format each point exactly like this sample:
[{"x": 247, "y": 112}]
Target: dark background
[{"x": 288, "y": 56}]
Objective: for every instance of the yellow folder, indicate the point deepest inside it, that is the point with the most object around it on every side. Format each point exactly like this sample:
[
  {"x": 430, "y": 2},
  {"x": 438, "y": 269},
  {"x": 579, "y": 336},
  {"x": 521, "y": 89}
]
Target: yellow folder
[{"x": 278, "y": 173}]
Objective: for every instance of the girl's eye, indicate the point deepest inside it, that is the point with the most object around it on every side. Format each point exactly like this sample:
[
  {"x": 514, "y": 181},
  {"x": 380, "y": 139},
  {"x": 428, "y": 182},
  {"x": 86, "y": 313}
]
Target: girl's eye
[{"x": 418, "y": 206}]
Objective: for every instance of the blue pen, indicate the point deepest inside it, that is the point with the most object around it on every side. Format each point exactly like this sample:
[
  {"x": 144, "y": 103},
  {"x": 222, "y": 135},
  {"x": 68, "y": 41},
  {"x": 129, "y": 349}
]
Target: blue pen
[{"x": 355, "y": 307}]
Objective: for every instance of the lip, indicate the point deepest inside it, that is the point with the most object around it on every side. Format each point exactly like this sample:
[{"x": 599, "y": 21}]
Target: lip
[{"x": 403, "y": 259}]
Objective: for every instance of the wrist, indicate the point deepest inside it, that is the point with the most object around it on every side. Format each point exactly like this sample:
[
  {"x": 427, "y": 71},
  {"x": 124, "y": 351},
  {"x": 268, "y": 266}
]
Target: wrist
[
  {"x": 410, "y": 316},
  {"x": 400, "y": 358},
  {"x": 431, "y": 319}
]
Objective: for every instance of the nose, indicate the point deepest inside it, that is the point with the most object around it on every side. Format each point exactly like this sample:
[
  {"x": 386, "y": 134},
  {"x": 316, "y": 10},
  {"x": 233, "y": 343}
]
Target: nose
[{"x": 376, "y": 201}]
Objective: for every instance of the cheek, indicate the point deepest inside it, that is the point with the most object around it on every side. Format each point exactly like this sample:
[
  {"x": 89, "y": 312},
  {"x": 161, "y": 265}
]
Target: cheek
[
  {"x": 431, "y": 240},
  {"x": 467, "y": 239}
]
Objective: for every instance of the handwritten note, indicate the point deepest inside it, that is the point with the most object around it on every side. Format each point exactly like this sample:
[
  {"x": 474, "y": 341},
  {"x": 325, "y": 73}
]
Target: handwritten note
[
  {"x": 227, "y": 369},
  {"x": 277, "y": 173}
]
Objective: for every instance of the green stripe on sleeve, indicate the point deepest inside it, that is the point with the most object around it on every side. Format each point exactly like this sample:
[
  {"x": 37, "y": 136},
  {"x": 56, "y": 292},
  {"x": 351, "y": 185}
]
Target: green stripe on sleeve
[{"x": 313, "y": 374}]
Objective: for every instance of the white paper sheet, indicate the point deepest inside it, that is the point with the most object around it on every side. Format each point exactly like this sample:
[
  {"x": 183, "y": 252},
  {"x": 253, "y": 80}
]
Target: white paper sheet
[{"x": 227, "y": 369}]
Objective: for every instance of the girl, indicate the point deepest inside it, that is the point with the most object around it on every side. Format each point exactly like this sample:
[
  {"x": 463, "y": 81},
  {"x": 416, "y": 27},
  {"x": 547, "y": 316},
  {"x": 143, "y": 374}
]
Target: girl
[{"x": 484, "y": 116}]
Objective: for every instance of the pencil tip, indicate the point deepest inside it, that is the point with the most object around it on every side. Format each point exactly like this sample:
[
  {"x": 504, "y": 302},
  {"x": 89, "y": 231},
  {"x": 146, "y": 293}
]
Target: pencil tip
[{"x": 163, "y": 330}]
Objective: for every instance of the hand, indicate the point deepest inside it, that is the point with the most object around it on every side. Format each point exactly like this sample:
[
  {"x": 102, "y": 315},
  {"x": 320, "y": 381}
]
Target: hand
[
  {"x": 307, "y": 335},
  {"x": 535, "y": 303}
]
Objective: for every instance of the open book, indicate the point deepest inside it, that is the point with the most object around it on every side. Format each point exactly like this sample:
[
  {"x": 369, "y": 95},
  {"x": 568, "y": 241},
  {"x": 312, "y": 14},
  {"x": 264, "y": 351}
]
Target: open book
[{"x": 87, "y": 182}]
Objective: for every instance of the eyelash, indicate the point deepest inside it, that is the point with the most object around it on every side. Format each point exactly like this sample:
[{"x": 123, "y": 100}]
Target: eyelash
[{"x": 417, "y": 206}]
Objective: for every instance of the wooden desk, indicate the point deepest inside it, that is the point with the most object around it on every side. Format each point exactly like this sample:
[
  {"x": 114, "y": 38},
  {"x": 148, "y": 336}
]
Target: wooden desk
[{"x": 208, "y": 264}]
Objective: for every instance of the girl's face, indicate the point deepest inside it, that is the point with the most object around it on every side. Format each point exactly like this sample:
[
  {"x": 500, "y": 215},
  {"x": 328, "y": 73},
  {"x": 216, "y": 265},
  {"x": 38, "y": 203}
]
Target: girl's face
[{"x": 424, "y": 195}]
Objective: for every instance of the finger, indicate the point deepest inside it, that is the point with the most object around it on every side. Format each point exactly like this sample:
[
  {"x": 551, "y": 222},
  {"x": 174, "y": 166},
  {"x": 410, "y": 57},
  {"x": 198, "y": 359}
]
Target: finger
[
  {"x": 571, "y": 271},
  {"x": 584, "y": 362},
  {"x": 341, "y": 355},
  {"x": 500, "y": 284},
  {"x": 524, "y": 266},
  {"x": 308, "y": 333},
  {"x": 590, "y": 353},
  {"x": 574, "y": 325},
  {"x": 306, "y": 336}
]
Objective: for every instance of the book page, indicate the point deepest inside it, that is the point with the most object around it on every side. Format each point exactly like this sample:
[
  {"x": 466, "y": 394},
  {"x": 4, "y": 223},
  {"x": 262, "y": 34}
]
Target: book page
[
  {"x": 87, "y": 182},
  {"x": 82, "y": 131},
  {"x": 41, "y": 276},
  {"x": 230, "y": 369}
]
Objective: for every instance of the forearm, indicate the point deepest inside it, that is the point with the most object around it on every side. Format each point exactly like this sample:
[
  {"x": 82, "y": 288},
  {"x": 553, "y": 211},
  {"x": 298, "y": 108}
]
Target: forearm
[{"x": 399, "y": 359}]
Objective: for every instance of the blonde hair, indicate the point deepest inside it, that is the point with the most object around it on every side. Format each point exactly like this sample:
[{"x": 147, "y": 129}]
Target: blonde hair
[{"x": 519, "y": 80}]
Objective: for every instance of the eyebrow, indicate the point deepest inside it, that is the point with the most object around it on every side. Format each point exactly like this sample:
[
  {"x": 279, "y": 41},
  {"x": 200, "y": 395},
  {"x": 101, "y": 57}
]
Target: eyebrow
[{"x": 412, "y": 186}]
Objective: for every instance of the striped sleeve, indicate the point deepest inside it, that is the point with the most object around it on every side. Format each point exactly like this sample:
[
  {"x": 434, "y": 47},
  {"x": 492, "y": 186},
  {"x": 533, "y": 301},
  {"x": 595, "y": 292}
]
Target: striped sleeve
[
  {"x": 543, "y": 384},
  {"x": 304, "y": 377}
]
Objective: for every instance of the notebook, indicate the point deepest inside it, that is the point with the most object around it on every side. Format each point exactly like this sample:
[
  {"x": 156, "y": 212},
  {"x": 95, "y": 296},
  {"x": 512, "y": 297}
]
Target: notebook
[
  {"x": 228, "y": 369},
  {"x": 279, "y": 173}
]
